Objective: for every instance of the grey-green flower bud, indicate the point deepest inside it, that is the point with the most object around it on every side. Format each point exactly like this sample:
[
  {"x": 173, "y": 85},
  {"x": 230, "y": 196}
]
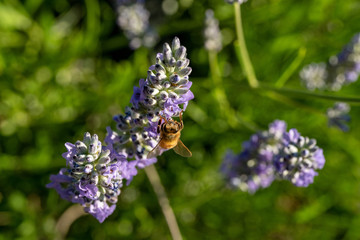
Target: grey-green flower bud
[
  {"x": 175, "y": 44},
  {"x": 180, "y": 53}
]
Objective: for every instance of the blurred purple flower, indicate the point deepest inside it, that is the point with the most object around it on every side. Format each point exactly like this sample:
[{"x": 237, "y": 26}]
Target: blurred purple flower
[
  {"x": 273, "y": 154},
  {"x": 253, "y": 168},
  {"x": 339, "y": 71}
]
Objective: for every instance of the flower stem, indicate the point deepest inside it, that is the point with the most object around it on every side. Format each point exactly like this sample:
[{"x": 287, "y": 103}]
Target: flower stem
[
  {"x": 245, "y": 59},
  {"x": 159, "y": 190},
  {"x": 293, "y": 92},
  {"x": 288, "y": 101},
  {"x": 67, "y": 218},
  {"x": 292, "y": 68}
]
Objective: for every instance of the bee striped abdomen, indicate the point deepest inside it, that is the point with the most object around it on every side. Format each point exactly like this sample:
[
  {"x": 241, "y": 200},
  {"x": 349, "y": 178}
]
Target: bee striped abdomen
[{"x": 169, "y": 140}]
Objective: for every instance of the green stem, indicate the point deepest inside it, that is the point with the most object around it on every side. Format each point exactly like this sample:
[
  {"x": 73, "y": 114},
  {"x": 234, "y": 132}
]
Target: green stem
[
  {"x": 67, "y": 219},
  {"x": 245, "y": 59},
  {"x": 93, "y": 24},
  {"x": 159, "y": 190},
  {"x": 288, "y": 101},
  {"x": 294, "y": 92},
  {"x": 292, "y": 68}
]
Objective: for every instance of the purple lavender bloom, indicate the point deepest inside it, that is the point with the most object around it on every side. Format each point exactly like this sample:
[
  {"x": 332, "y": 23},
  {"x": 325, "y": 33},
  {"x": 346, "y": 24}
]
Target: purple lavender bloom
[
  {"x": 93, "y": 177},
  {"x": 299, "y": 158},
  {"x": 94, "y": 173},
  {"x": 273, "y": 154},
  {"x": 166, "y": 92},
  {"x": 253, "y": 168},
  {"x": 340, "y": 70},
  {"x": 338, "y": 116},
  {"x": 100, "y": 210}
]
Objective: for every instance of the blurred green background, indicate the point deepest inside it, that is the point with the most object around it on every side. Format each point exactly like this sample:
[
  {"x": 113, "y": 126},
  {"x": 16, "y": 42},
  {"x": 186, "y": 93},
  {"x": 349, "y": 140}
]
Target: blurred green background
[{"x": 66, "y": 68}]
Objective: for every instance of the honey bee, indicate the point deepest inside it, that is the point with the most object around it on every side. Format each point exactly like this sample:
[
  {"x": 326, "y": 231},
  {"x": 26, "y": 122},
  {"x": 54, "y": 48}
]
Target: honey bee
[{"x": 170, "y": 138}]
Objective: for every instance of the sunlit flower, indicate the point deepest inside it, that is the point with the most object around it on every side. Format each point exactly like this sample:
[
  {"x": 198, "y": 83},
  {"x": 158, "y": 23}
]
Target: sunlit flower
[
  {"x": 93, "y": 176},
  {"x": 164, "y": 91}
]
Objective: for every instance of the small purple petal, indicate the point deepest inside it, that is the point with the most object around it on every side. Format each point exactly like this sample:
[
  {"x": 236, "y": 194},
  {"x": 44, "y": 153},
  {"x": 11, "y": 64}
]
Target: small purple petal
[{"x": 100, "y": 210}]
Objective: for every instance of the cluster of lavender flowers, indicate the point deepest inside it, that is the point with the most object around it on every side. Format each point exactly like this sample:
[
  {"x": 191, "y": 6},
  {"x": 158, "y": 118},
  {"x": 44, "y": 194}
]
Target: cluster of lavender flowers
[
  {"x": 212, "y": 32},
  {"x": 338, "y": 71},
  {"x": 94, "y": 173},
  {"x": 166, "y": 87},
  {"x": 93, "y": 177},
  {"x": 234, "y": 1},
  {"x": 338, "y": 116},
  {"x": 133, "y": 19},
  {"x": 273, "y": 154}
]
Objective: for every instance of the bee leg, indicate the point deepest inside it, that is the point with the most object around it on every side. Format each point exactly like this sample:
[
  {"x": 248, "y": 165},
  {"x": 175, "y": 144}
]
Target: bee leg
[
  {"x": 159, "y": 123},
  {"x": 181, "y": 121},
  {"x": 162, "y": 118},
  {"x": 158, "y": 126}
]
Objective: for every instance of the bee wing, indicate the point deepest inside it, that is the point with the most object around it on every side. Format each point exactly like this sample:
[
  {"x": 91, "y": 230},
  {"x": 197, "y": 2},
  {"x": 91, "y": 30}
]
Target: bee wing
[
  {"x": 182, "y": 150},
  {"x": 156, "y": 151}
]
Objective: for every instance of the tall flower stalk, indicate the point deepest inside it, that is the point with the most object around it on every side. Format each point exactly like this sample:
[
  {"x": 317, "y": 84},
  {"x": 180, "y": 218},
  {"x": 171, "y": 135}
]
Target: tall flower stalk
[
  {"x": 245, "y": 59},
  {"x": 163, "y": 92},
  {"x": 95, "y": 173}
]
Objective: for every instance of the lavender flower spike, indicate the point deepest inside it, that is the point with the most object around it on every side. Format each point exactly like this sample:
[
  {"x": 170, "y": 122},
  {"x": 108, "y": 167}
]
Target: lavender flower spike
[
  {"x": 340, "y": 70},
  {"x": 212, "y": 32},
  {"x": 299, "y": 159},
  {"x": 93, "y": 177},
  {"x": 164, "y": 91},
  {"x": 338, "y": 116},
  {"x": 253, "y": 168},
  {"x": 273, "y": 154}
]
